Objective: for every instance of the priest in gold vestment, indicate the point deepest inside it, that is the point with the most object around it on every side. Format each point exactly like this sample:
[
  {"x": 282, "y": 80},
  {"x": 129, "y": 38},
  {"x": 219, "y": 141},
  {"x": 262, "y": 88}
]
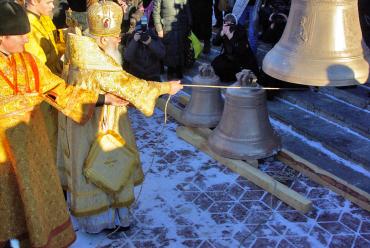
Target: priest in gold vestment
[
  {"x": 95, "y": 64},
  {"x": 48, "y": 46},
  {"x": 32, "y": 206}
]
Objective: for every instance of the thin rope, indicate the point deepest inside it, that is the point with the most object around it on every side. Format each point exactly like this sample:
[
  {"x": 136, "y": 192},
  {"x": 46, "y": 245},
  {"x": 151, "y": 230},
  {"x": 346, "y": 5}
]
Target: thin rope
[
  {"x": 237, "y": 87},
  {"x": 148, "y": 170}
]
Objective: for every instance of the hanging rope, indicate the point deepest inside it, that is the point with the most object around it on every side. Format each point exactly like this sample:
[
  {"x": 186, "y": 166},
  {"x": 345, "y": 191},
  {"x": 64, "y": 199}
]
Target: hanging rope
[{"x": 148, "y": 170}]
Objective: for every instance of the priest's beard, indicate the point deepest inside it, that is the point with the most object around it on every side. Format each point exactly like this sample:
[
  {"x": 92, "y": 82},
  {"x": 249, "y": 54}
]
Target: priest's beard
[{"x": 115, "y": 53}]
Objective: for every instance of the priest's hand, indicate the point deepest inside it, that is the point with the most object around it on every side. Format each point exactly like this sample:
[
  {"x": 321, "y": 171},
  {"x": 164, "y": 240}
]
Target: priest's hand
[
  {"x": 111, "y": 99},
  {"x": 175, "y": 87}
]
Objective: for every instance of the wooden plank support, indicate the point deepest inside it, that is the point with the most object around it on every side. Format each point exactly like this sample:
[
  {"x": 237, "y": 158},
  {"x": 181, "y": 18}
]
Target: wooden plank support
[
  {"x": 198, "y": 138},
  {"x": 325, "y": 178}
]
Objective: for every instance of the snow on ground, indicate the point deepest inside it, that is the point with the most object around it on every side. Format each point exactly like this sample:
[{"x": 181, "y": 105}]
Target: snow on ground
[{"x": 190, "y": 200}]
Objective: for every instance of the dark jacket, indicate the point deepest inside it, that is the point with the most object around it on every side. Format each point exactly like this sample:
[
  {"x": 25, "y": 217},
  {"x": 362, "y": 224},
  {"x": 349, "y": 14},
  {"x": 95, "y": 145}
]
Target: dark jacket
[
  {"x": 174, "y": 18},
  {"x": 142, "y": 60},
  {"x": 237, "y": 50}
]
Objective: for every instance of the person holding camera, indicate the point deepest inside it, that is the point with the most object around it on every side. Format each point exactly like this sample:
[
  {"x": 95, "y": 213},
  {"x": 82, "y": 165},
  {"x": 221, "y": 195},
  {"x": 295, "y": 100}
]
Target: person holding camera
[
  {"x": 236, "y": 52},
  {"x": 144, "y": 53}
]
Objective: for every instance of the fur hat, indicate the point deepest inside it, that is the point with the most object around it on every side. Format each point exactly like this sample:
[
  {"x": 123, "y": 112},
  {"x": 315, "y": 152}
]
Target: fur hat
[{"x": 13, "y": 19}]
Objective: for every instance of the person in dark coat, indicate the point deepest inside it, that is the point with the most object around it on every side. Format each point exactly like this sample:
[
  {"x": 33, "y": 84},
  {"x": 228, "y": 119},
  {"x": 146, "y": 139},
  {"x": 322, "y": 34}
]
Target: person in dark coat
[
  {"x": 172, "y": 21},
  {"x": 201, "y": 11},
  {"x": 236, "y": 52},
  {"x": 144, "y": 53},
  {"x": 133, "y": 10},
  {"x": 364, "y": 13}
]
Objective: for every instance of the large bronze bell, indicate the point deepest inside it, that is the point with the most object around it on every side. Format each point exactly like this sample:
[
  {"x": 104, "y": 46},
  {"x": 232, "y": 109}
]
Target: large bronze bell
[
  {"x": 321, "y": 45},
  {"x": 206, "y": 104},
  {"x": 244, "y": 131}
]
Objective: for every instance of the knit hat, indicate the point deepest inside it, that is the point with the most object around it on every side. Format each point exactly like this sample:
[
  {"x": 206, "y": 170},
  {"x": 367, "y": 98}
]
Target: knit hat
[{"x": 13, "y": 19}]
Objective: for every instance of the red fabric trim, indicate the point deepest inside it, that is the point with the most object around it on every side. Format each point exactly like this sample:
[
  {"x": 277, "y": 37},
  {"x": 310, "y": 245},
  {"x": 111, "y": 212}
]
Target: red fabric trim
[
  {"x": 57, "y": 231},
  {"x": 35, "y": 70},
  {"x": 28, "y": 89}
]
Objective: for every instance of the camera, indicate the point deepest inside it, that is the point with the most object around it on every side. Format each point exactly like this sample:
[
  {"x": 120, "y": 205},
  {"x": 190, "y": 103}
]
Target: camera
[
  {"x": 144, "y": 24},
  {"x": 144, "y": 29}
]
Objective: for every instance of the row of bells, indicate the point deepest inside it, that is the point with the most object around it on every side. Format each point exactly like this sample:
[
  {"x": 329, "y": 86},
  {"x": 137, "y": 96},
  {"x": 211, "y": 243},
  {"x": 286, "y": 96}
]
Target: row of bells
[
  {"x": 243, "y": 128},
  {"x": 322, "y": 45}
]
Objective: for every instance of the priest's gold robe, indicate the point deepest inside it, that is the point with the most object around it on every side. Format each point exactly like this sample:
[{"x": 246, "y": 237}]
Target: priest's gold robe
[
  {"x": 32, "y": 206},
  {"x": 90, "y": 68}
]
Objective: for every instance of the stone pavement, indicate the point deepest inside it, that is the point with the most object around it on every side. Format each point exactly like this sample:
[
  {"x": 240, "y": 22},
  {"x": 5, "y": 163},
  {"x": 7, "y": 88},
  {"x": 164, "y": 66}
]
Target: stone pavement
[{"x": 190, "y": 200}]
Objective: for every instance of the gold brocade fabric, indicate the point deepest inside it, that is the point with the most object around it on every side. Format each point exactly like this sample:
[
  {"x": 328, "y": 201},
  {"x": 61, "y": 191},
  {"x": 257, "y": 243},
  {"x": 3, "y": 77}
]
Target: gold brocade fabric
[
  {"x": 32, "y": 205},
  {"x": 43, "y": 42},
  {"x": 90, "y": 68}
]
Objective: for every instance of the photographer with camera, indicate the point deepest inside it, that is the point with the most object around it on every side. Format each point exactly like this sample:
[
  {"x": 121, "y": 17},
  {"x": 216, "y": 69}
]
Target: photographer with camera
[
  {"x": 144, "y": 53},
  {"x": 236, "y": 53}
]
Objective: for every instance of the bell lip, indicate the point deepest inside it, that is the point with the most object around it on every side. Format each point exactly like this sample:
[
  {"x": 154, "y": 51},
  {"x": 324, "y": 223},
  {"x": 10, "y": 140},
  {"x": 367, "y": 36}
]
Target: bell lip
[
  {"x": 295, "y": 64},
  {"x": 275, "y": 148},
  {"x": 230, "y": 155},
  {"x": 322, "y": 83}
]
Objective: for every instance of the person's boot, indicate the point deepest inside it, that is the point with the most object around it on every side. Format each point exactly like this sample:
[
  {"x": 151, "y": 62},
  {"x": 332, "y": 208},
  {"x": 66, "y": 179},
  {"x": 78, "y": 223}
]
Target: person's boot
[{"x": 207, "y": 47}]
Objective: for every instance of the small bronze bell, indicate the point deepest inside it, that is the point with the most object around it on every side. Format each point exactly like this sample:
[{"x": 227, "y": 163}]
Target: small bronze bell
[
  {"x": 244, "y": 131},
  {"x": 206, "y": 104},
  {"x": 321, "y": 45}
]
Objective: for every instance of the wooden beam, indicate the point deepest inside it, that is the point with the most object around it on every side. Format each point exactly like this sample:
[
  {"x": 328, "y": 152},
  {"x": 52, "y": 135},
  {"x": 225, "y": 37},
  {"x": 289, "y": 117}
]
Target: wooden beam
[
  {"x": 196, "y": 138},
  {"x": 325, "y": 178}
]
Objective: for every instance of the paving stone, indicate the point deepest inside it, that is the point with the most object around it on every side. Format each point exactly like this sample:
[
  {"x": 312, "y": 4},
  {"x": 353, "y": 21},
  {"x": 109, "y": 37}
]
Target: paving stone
[
  {"x": 189, "y": 196},
  {"x": 255, "y": 206},
  {"x": 221, "y": 207},
  {"x": 252, "y": 195},
  {"x": 298, "y": 229},
  {"x": 320, "y": 235},
  {"x": 285, "y": 244},
  {"x": 219, "y": 196},
  {"x": 206, "y": 244},
  {"x": 239, "y": 212},
  {"x": 271, "y": 201},
  {"x": 203, "y": 201},
  {"x": 300, "y": 242},
  {"x": 350, "y": 221},
  {"x": 366, "y": 236},
  {"x": 262, "y": 231},
  {"x": 360, "y": 242},
  {"x": 225, "y": 243},
  {"x": 294, "y": 216},
  {"x": 335, "y": 228},
  {"x": 332, "y": 215},
  {"x": 342, "y": 241},
  {"x": 256, "y": 217},
  {"x": 235, "y": 191},
  {"x": 265, "y": 242},
  {"x": 318, "y": 193},
  {"x": 192, "y": 243},
  {"x": 223, "y": 218},
  {"x": 187, "y": 232},
  {"x": 365, "y": 227}
]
